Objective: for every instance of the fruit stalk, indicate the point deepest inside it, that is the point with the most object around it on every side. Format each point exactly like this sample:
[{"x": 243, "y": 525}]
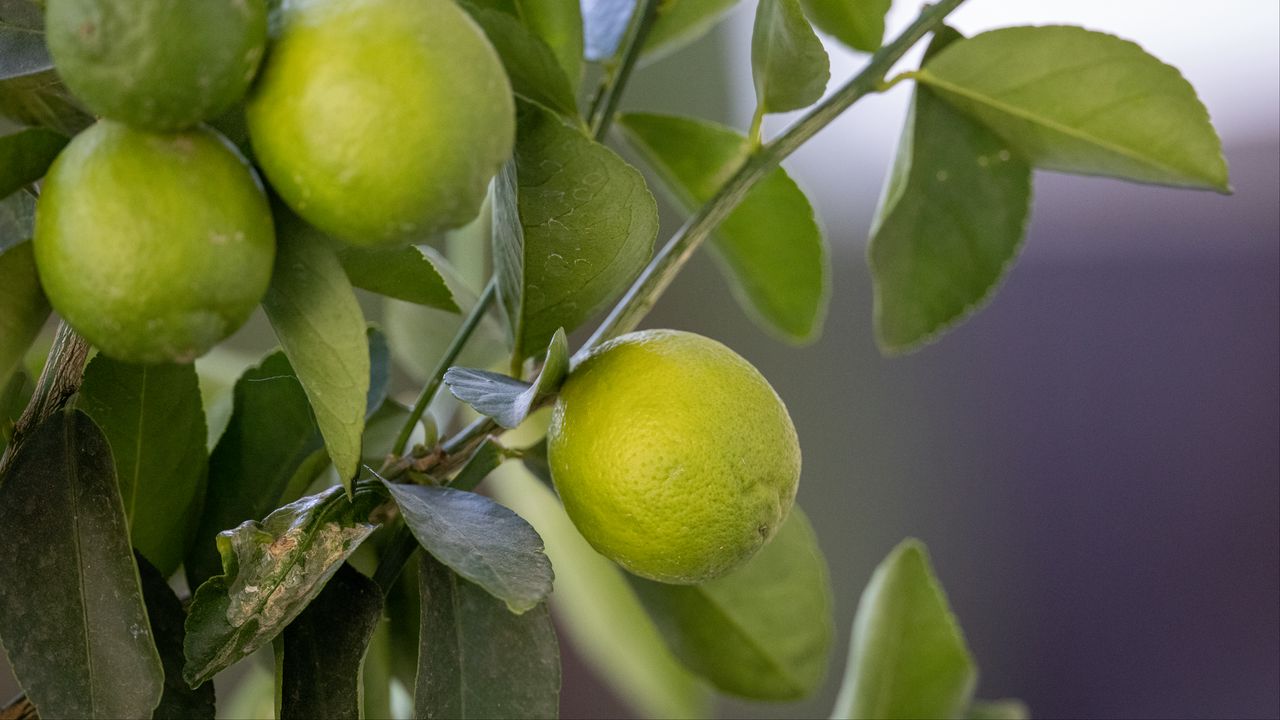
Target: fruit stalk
[{"x": 661, "y": 271}]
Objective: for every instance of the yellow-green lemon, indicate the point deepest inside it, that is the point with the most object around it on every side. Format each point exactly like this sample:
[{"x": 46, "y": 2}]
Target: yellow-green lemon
[
  {"x": 157, "y": 64},
  {"x": 673, "y": 455},
  {"x": 381, "y": 121},
  {"x": 153, "y": 246}
]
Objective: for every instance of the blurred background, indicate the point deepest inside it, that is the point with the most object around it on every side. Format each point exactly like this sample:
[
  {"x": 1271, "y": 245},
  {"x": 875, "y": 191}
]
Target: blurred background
[{"x": 1094, "y": 459}]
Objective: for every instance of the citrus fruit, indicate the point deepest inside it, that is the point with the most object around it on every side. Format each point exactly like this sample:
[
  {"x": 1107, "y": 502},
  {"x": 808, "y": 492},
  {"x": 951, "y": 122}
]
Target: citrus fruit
[
  {"x": 153, "y": 246},
  {"x": 157, "y": 64},
  {"x": 381, "y": 121},
  {"x": 673, "y": 455}
]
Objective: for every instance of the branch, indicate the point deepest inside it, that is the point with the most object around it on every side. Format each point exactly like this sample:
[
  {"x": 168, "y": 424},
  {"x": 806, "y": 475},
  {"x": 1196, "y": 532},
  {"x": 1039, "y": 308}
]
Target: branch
[
  {"x": 59, "y": 380},
  {"x": 606, "y": 103}
]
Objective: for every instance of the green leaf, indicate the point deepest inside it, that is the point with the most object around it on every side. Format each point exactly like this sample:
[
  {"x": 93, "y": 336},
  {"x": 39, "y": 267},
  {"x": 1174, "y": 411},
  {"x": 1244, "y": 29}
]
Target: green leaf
[
  {"x": 72, "y": 617},
  {"x": 599, "y": 612},
  {"x": 166, "y": 615},
  {"x": 559, "y": 23},
  {"x": 271, "y": 572},
  {"x": 506, "y": 399},
  {"x": 476, "y": 659},
  {"x": 856, "y": 23},
  {"x": 533, "y": 68},
  {"x": 604, "y": 22},
  {"x": 316, "y": 315},
  {"x": 22, "y": 49},
  {"x": 325, "y": 646},
  {"x": 770, "y": 247},
  {"x": 23, "y": 306},
  {"x": 1084, "y": 102},
  {"x": 1007, "y": 709},
  {"x": 587, "y": 224},
  {"x": 30, "y": 91},
  {"x": 17, "y": 219},
  {"x": 788, "y": 63},
  {"x": 153, "y": 418},
  {"x": 907, "y": 657},
  {"x": 14, "y": 396},
  {"x": 270, "y": 434},
  {"x": 681, "y": 22},
  {"x": 25, "y": 155},
  {"x": 763, "y": 631},
  {"x": 480, "y": 540},
  {"x": 949, "y": 226},
  {"x": 404, "y": 273},
  {"x": 483, "y": 461}
]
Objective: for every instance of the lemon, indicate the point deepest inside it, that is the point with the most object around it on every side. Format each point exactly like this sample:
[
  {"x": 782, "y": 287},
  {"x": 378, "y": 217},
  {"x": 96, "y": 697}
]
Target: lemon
[
  {"x": 673, "y": 455},
  {"x": 157, "y": 64},
  {"x": 381, "y": 121},
  {"x": 153, "y": 246}
]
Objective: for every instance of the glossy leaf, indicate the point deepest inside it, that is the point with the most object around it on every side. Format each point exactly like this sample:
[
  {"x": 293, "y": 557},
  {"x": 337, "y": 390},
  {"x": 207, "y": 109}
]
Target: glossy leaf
[
  {"x": 72, "y": 617},
  {"x": 856, "y": 23},
  {"x": 505, "y": 399},
  {"x": 1085, "y": 102},
  {"x": 480, "y": 540},
  {"x": 999, "y": 710},
  {"x": 483, "y": 461},
  {"x": 23, "y": 306},
  {"x": 604, "y": 23},
  {"x": 477, "y": 659},
  {"x": 535, "y": 72},
  {"x": 271, "y": 571},
  {"x": 588, "y": 224},
  {"x": 770, "y": 247},
  {"x": 559, "y": 23},
  {"x": 153, "y": 418},
  {"x": 907, "y": 657},
  {"x": 949, "y": 226},
  {"x": 320, "y": 326},
  {"x": 763, "y": 631},
  {"x": 404, "y": 273},
  {"x": 683, "y": 21},
  {"x": 167, "y": 616},
  {"x": 270, "y": 434},
  {"x": 599, "y": 613},
  {"x": 25, "y": 155},
  {"x": 788, "y": 63},
  {"x": 325, "y": 646}
]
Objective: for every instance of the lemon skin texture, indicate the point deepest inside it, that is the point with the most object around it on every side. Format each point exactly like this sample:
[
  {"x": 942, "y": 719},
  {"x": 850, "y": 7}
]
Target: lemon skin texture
[
  {"x": 673, "y": 455},
  {"x": 154, "y": 247},
  {"x": 157, "y": 64},
  {"x": 381, "y": 122}
]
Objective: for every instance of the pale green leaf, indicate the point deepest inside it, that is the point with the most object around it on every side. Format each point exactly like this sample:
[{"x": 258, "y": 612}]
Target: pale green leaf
[
  {"x": 405, "y": 273},
  {"x": 856, "y": 23},
  {"x": 23, "y": 306},
  {"x": 907, "y": 657},
  {"x": 535, "y": 71},
  {"x": 559, "y": 23},
  {"x": 770, "y": 247},
  {"x": 788, "y": 63},
  {"x": 681, "y": 22},
  {"x": 1079, "y": 101}
]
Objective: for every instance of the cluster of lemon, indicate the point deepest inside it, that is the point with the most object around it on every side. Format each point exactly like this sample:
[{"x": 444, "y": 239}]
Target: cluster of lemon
[{"x": 379, "y": 122}]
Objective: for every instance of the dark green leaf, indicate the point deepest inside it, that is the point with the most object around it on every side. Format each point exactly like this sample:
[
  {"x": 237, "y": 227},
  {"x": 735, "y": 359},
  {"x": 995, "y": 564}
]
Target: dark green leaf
[
  {"x": 483, "y": 461},
  {"x": 999, "y": 710},
  {"x": 856, "y": 23},
  {"x": 509, "y": 253},
  {"x": 604, "y": 22},
  {"x": 535, "y": 72},
  {"x": 165, "y": 612},
  {"x": 324, "y": 649},
  {"x": 404, "y": 273},
  {"x": 477, "y": 660},
  {"x": 599, "y": 613},
  {"x": 154, "y": 420},
  {"x": 535, "y": 461},
  {"x": 788, "y": 63},
  {"x": 17, "y": 219},
  {"x": 559, "y": 23},
  {"x": 505, "y": 399},
  {"x": 271, "y": 572},
  {"x": 770, "y": 247},
  {"x": 30, "y": 91},
  {"x": 588, "y": 222},
  {"x": 25, "y": 155},
  {"x": 683, "y": 21},
  {"x": 1085, "y": 102},
  {"x": 72, "y": 617},
  {"x": 763, "y": 631},
  {"x": 316, "y": 315},
  {"x": 270, "y": 435},
  {"x": 479, "y": 539},
  {"x": 23, "y": 306},
  {"x": 14, "y": 396},
  {"x": 907, "y": 658},
  {"x": 22, "y": 50},
  {"x": 949, "y": 226}
]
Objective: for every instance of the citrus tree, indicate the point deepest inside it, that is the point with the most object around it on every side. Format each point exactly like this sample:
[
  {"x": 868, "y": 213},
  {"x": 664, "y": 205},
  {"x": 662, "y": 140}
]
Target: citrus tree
[{"x": 169, "y": 166}]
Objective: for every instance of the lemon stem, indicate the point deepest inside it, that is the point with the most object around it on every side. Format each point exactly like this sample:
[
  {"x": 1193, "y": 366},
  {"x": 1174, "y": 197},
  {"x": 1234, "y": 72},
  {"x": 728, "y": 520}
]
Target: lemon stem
[{"x": 606, "y": 104}]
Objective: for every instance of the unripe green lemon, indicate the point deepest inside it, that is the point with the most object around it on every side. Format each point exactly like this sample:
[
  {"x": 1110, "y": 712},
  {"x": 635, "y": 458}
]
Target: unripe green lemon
[
  {"x": 153, "y": 246},
  {"x": 157, "y": 64},
  {"x": 381, "y": 121},
  {"x": 673, "y": 455}
]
